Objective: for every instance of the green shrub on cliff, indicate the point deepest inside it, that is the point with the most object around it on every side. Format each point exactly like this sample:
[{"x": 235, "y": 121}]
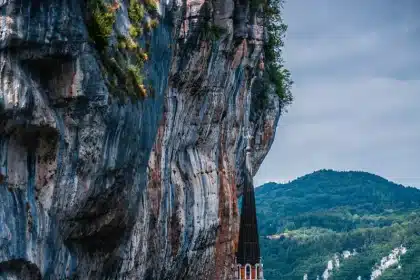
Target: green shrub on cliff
[
  {"x": 123, "y": 63},
  {"x": 276, "y": 29},
  {"x": 135, "y": 72},
  {"x": 102, "y": 22},
  {"x": 136, "y": 12},
  {"x": 275, "y": 71}
]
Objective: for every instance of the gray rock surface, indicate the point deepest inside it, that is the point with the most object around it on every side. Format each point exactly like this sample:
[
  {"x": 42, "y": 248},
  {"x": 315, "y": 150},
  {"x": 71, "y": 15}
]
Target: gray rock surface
[{"x": 92, "y": 187}]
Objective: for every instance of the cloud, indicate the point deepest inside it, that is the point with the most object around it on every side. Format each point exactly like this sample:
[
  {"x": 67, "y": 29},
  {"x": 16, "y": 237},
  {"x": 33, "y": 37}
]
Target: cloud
[{"x": 357, "y": 91}]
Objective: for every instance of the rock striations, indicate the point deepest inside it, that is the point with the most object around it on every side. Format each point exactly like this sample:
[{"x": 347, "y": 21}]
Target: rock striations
[{"x": 99, "y": 183}]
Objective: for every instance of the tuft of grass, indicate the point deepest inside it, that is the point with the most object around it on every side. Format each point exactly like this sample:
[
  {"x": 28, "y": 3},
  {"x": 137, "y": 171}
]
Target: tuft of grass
[
  {"x": 102, "y": 22},
  {"x": 131, "y": 44},
  {"x": 122, "y": 45},
  {"x": 105, "y": 22},
  {"x": 133, "y": 31},
  {"x": 135, "y": 73},
  {"x": 142, "y": 56},
  {"x": 136, "y": 11},
  {"x": 126, "y": 43}
]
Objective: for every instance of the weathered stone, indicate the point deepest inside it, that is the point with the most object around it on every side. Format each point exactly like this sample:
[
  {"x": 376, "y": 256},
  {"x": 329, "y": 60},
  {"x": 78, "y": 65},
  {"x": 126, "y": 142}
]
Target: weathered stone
[{"x": 95, "y": 188}]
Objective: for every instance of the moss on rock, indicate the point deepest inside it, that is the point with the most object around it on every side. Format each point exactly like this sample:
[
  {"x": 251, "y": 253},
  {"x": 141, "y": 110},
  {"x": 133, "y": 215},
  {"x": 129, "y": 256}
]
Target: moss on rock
[
  {"x": 102, "y": 22},
  {"x": 123, "y": 62}
]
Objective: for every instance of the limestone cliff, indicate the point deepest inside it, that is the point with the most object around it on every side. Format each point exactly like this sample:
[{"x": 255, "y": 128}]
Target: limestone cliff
[{"x": 121, "y": 144}]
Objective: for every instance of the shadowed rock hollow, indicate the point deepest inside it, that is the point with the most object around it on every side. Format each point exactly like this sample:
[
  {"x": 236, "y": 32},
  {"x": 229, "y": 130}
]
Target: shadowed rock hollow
[{"x": 102, "y": 179}]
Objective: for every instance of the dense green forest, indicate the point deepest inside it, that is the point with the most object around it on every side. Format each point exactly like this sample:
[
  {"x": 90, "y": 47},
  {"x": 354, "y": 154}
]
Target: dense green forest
[{"x": 356, "y": 216}]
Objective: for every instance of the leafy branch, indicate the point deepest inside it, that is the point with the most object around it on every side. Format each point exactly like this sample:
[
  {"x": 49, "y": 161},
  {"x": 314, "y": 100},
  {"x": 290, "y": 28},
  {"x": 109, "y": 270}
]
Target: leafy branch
[{"x": 275, "y": 72}]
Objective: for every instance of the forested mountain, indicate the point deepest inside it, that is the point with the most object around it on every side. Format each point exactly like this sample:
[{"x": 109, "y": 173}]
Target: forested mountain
[{"x": 339, "y": 225}]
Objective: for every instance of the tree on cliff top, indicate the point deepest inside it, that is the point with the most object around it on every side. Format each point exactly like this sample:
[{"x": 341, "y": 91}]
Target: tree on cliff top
[{"x": 275, "y": 72}]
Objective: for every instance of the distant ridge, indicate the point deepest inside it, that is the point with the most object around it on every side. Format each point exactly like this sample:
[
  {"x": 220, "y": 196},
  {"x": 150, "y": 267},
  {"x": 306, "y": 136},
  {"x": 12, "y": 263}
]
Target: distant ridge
[
  {"x": 336, "y": 171},
  {"x": 325, "y": 212}
]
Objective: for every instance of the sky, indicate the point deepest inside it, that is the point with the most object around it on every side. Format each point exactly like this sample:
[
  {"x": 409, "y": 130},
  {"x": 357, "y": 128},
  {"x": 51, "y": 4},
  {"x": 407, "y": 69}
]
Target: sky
[{"x": 356, "y": 68}]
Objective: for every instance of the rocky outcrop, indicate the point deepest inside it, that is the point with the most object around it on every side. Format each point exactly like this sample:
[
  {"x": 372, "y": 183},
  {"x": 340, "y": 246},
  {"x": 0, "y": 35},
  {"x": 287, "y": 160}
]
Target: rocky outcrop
[{"x": 98, "y": 186}]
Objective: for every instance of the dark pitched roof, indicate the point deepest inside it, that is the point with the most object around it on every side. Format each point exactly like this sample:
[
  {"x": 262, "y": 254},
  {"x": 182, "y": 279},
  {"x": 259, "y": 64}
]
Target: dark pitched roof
[{"x": 248, "y": 244}]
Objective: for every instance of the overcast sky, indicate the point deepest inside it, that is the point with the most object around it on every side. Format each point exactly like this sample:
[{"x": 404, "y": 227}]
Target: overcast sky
[{"x": 356, "y": 67}]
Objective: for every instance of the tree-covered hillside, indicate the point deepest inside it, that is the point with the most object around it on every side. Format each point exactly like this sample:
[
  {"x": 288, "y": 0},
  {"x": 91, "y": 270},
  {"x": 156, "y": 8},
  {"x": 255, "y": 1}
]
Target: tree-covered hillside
[{"x": 352, "y": 219}]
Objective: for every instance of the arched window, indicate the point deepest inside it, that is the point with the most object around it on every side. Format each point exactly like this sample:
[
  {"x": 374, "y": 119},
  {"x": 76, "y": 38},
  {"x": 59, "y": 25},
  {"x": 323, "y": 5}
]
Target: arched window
[
  {"x": 238, "y": 272},
  {"x": 248, "y": 271}
]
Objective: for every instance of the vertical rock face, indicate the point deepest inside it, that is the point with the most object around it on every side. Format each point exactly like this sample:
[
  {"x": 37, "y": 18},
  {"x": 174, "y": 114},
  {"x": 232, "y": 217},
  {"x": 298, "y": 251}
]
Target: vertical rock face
[{"x": 95, "y": 188}]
